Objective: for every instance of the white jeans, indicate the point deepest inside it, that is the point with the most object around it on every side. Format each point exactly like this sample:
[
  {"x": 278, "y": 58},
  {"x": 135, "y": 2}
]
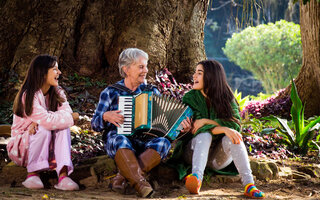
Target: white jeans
[{"x": 218, "y": 157}]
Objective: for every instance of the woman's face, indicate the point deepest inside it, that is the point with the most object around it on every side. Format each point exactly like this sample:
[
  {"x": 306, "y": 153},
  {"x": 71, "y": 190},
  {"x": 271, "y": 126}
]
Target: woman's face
[
  {"x": 137, "y": 71},
  {"x": 52, "y": 76},
  {"x": 198, "y": 78}
]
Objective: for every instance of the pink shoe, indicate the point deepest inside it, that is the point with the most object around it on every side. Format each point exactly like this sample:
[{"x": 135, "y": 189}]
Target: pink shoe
[
  {"x": 66, "y": 183},
  {"x": 33, "y": 182}
]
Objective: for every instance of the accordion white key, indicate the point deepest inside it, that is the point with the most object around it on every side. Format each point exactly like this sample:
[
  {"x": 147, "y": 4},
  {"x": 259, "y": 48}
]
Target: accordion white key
[{"x": 148, "y": 113}]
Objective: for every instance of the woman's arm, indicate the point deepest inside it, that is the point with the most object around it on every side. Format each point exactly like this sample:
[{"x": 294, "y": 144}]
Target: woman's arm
[
  {"x": 201, "y": 122},
  {"x": 232, "y": 134}
]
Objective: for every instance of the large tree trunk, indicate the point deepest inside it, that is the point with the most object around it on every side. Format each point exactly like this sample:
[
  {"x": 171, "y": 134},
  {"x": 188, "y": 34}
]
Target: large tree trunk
[
  {"x": 88, "y": 36},
  {"x": 308, "y": 80}
]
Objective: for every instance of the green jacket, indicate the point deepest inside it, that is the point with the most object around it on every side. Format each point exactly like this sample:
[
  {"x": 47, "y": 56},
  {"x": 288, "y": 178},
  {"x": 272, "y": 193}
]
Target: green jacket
[{"x": 196, "y": 101}]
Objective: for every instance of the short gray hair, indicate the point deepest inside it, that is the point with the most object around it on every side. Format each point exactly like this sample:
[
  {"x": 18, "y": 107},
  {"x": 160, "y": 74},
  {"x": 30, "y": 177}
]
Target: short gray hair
[{"x": 129, "y": 56}]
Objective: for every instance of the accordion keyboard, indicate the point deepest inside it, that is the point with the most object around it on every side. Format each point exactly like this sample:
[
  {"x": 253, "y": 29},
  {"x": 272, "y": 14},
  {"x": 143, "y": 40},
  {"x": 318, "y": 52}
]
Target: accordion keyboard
[{"x": 125, "y": 105}]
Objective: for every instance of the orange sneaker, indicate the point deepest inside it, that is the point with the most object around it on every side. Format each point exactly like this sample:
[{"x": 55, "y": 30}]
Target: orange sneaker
[
  {"x": 193, "y": 183},
  {"x": 251, "y": 191}
]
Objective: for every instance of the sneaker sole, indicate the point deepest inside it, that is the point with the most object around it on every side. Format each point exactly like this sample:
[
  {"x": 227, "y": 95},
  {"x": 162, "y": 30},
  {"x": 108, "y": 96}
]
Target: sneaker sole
[
  {"x": 192, "y": 185},
  {"x": 253, "y": 197}
]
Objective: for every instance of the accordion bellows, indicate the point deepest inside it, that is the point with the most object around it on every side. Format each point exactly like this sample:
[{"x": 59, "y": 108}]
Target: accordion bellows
[{"x": 149, "y": 113}]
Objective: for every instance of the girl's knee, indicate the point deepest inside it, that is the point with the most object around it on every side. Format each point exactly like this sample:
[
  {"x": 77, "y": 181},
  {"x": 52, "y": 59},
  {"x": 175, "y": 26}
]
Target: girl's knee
[
  {"x": 226, "y": 140},
  {"x": 204, "y": 137}
]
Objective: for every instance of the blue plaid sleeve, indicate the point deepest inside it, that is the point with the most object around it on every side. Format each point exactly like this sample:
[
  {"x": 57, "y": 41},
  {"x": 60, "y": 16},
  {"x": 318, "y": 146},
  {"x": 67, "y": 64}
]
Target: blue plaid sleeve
[
  {"x": 155, "y": 91},
  {"x": 105, "y": 101}
]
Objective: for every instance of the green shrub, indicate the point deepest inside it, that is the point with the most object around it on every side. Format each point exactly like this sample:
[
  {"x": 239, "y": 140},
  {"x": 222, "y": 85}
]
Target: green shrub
[
  {"x": 271, "y": 52},
  {"x": 301, "y": 138}
]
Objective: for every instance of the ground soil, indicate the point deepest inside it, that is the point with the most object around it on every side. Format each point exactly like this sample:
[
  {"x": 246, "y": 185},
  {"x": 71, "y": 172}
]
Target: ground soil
[{"x": 274, "y": 189}]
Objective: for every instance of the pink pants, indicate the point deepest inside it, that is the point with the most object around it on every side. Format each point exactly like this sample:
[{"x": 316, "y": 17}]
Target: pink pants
[{"x": 39, "y": 146}]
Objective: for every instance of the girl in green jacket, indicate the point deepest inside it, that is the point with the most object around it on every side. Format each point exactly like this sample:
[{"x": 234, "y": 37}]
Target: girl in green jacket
[{"x": 216, "y": 115}]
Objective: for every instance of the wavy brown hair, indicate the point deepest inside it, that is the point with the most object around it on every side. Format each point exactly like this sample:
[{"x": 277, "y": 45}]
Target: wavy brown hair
[
  {"x": 36, "y": 77},
  {"x": 217, "y": 89}
]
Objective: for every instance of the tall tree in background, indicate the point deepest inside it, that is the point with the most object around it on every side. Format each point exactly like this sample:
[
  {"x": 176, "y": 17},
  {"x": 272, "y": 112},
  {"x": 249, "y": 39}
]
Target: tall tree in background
[
  {"x": 308, "y": 79},
  {"x": 88, "y": 35}
]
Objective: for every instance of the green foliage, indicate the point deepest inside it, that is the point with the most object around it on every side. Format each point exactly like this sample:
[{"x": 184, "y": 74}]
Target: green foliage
[
  {"x": 301, "y": 138},
  {"x": 242, "y": 101},
  {"x": 86, "y": 81},
  {"x": 262, "y": 125},
  {"x": 6, "y": 112},
  {"x": 260, "y": 97},
  {"x": 271, "y": 52}
]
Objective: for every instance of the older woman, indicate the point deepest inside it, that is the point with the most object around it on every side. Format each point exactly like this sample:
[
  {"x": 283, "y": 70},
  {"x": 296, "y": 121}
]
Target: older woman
[{"x": 107, "y": 117}]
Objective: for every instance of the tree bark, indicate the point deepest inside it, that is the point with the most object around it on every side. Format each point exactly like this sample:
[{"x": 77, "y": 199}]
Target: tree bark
[
  {"x": 88, "y": 35},
  {"x": 308, "y": 79}
]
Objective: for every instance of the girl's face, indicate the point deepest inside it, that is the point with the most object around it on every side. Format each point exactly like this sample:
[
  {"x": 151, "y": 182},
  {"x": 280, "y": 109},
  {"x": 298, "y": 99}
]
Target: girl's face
[
  {"x": 198, "y": 78},
  {"x": 52, "y": 76}
]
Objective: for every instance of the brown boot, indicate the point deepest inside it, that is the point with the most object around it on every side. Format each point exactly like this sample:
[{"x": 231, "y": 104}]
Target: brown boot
[
  {"x": 129, "y": 168},
  {"x": 149, "y": 159},
  {"x": 119, "y": 184}
]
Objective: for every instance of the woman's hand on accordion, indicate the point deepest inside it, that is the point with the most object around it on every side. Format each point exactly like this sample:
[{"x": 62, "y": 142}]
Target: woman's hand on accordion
[
  {"x": 186, "y": 124},
  {"x": 114, "y": 117}
]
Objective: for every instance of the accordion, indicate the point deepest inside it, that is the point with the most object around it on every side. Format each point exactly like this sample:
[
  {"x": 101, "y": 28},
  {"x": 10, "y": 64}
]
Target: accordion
[{"x": 147, "y": 113}]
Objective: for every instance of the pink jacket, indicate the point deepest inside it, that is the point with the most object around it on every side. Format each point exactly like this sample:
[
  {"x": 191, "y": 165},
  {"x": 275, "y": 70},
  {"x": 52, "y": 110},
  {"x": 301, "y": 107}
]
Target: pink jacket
[{"x": 19, "y": 143}]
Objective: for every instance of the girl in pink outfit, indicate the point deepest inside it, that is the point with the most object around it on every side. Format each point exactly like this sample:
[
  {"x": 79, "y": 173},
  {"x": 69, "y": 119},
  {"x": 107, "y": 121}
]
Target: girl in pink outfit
[{"x": 40, "y": 131}]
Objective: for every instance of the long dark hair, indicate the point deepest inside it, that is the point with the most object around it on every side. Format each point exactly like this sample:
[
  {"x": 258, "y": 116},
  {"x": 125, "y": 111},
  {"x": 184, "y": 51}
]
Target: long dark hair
[
  {"x": 36, "y": 77},
  {"x": 218, "y": 92}
]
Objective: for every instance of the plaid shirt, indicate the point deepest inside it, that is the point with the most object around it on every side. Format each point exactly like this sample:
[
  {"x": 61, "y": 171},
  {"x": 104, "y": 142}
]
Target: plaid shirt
[
  {"x": 112, "y": 141},
  {"x": 108, "y": 102}
]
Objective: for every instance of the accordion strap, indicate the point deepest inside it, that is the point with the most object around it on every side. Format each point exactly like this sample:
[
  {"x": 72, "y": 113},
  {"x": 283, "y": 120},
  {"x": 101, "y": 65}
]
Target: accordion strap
[
  {"x": 125, "y": 89},
  {"x": 122, "y": 88}
]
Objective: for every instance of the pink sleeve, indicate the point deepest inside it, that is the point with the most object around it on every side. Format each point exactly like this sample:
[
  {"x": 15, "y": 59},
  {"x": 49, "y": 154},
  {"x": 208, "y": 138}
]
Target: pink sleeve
[
  {"x": 65, "y": 105},
  {"x": 60, "y": 119}
]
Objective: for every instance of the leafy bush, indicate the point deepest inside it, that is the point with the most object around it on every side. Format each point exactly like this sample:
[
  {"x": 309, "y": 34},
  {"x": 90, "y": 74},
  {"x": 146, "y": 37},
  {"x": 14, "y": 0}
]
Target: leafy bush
[
  {"x": 168, "y": 85},
  {"x": 242, "y": 101},
  {"x": 273, "y": 105},
  {"x": 271, "y": 52},
  {"x": 84, "y": 145},
  {"x": 299, "y": 140},
  {"x": 262, "y": 140}
]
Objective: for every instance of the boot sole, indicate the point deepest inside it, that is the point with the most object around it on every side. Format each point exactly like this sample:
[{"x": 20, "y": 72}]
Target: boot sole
[{"x": 146, "y": 192}]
